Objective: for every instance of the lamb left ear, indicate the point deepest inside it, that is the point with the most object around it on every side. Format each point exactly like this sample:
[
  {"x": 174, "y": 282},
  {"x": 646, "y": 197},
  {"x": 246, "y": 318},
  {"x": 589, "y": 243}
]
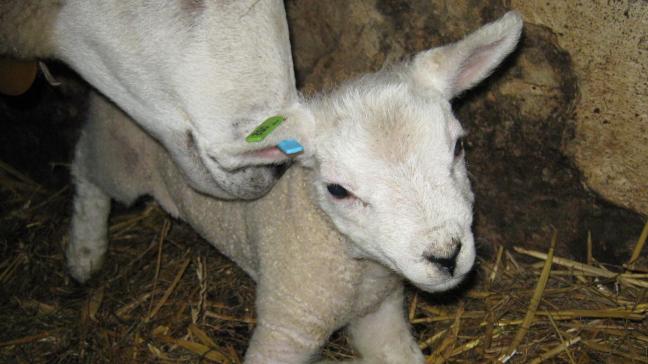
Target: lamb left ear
[
  {"x": 456, "y": 67},
  {"x": 298, "y": 125}
]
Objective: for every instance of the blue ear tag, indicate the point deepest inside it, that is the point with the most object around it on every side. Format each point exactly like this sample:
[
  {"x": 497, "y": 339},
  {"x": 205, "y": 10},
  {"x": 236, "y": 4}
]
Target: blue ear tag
[{"x": 290, "y": 147}]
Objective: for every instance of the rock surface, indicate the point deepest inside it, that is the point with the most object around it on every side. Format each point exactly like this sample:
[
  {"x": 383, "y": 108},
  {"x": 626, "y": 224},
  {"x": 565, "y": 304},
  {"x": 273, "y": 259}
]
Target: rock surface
[{"x": 608, "y": 45}]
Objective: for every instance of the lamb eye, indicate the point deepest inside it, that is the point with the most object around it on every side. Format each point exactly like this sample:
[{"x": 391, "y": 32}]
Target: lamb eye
[
  {"x": 337, "y": 191},
  {"x": 459, "y": 147}
]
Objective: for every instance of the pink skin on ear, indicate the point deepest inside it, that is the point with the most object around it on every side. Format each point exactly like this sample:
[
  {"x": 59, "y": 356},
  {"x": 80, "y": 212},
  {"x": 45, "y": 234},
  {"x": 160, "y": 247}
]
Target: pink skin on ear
[
  {"x": 476, "y": 67},
  {"x": 269, "y": 153}
]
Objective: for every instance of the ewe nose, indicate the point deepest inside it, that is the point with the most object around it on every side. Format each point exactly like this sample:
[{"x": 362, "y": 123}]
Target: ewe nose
[{"x": 447, "y": 263}]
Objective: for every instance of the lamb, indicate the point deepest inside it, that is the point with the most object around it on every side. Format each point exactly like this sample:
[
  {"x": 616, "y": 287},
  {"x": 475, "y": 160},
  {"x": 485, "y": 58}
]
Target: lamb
[
  {"x": 192, "y": 73},
  {"x": 379, "y": 193}
]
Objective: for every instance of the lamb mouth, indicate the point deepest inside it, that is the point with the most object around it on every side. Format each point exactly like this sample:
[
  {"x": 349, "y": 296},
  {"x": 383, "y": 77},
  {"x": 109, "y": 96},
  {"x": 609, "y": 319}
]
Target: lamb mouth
[{"x": 443, "y": 286}]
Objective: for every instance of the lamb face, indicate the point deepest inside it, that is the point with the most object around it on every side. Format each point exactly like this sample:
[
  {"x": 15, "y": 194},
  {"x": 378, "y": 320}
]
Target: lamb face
[
  {"x": 391, "y": 175},
  {"x": 390, "y": 163}
]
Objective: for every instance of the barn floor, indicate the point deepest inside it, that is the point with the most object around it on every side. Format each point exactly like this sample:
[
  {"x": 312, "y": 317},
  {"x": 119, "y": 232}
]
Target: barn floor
[{"x": 166, "y": 296}]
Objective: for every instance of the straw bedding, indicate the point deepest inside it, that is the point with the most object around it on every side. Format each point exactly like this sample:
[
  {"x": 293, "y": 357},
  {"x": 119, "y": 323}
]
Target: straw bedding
[{"x": 166, "y": 296}]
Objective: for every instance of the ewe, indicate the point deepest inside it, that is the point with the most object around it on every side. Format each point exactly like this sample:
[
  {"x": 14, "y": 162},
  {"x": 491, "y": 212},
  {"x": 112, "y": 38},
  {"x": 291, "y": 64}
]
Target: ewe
[
  {"x": 191, "y": 73},
  {"x": 380, "y": 192}
]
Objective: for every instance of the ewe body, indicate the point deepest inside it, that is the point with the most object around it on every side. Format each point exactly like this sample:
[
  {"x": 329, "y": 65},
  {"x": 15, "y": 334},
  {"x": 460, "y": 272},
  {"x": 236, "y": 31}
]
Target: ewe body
[{"x": 380, "y": 192}]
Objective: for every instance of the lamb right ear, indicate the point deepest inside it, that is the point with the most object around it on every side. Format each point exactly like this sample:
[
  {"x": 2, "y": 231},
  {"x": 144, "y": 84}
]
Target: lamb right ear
[{"x": 456, "y": 67}]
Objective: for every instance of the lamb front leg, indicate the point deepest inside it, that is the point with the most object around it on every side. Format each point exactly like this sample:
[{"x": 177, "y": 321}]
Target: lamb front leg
[
  {"x": 291, "y": 328},
  {"x": 88, "y": 234},
  {"x": 272, "y": 344},
  {"x": 383, "y": 336}
]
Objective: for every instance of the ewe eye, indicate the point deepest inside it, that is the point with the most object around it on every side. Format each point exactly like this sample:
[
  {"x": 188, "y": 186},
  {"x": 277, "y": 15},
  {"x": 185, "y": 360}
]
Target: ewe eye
[
  {"x": 459, "y": 147},
  {"x": 337, "y": 191}
]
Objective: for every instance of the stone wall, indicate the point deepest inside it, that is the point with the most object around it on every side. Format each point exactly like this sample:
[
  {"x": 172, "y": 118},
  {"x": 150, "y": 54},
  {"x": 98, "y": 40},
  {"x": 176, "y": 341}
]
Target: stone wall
[{"x": 608, "y": 44}]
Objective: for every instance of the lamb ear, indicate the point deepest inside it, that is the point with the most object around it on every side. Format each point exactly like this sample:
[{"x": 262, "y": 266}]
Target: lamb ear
[
  {"x": 298, "y": 125},
  {"x": 459, "y": 66}
]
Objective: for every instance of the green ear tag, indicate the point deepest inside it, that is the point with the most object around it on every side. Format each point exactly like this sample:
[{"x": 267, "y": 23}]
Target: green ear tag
[{"x": 265, "y": 129}]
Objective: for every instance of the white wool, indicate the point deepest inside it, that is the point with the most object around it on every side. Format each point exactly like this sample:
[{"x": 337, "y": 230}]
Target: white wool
[{"x": 321, "y": 262}]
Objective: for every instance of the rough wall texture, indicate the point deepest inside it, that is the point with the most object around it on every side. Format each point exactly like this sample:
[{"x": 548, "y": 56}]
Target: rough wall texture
[
  {"x": 608, "y": 44},
  {"x": 518, "y": 120}
]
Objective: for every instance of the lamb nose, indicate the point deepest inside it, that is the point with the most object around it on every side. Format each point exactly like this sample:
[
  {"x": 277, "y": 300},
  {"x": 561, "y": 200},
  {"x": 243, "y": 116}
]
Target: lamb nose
[{"x": 448, "y": 264}]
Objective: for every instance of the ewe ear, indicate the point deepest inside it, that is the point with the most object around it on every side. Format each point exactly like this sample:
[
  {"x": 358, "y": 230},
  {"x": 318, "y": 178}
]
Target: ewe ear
[
  {"x": 457, "y": 67},
  {"x": 298, "y": 125}
]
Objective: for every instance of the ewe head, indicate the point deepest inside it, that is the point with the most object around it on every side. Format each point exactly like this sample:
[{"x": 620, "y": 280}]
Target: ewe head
[
  {"x": 190, "y": 73},
  {"x": 388, "y": 160}
]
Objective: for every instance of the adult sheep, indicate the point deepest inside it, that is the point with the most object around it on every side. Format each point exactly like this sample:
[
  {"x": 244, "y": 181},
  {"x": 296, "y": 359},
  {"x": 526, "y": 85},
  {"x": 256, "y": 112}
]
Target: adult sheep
[
  {"x": 191, "y": 73},
  {"x": 381, "y": 191}
]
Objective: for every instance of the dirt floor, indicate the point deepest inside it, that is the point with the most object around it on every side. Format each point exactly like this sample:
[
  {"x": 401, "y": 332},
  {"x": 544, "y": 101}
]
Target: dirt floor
[{"x": 164, "y": 295}]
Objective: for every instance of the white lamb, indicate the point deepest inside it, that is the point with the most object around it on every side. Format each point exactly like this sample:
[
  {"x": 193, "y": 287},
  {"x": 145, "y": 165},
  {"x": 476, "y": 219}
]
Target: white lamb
[{"x": 380, "y": 192}]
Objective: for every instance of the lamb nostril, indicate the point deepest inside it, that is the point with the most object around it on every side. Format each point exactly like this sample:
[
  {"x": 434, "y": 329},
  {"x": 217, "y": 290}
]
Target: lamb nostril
[
  {"x": 450, "y": 263},
  {"x": 455, "y": 248},
  {"x": 447, "y": 264}
]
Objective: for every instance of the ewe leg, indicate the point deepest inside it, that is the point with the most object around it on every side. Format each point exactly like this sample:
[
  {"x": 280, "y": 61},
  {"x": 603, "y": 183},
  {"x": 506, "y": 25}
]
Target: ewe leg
[
  {"x": 88, "y": 240},
  {"x": 383, "y": 336}
]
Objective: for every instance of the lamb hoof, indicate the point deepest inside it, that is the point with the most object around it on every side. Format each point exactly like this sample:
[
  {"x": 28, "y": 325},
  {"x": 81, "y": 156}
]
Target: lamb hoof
[{"x": 82, "y": 263}]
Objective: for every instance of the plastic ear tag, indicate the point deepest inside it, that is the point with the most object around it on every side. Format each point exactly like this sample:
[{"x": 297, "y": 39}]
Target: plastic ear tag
[
  {"x": 265, "y": 129},
  {"x": 290, "y": 147}
]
